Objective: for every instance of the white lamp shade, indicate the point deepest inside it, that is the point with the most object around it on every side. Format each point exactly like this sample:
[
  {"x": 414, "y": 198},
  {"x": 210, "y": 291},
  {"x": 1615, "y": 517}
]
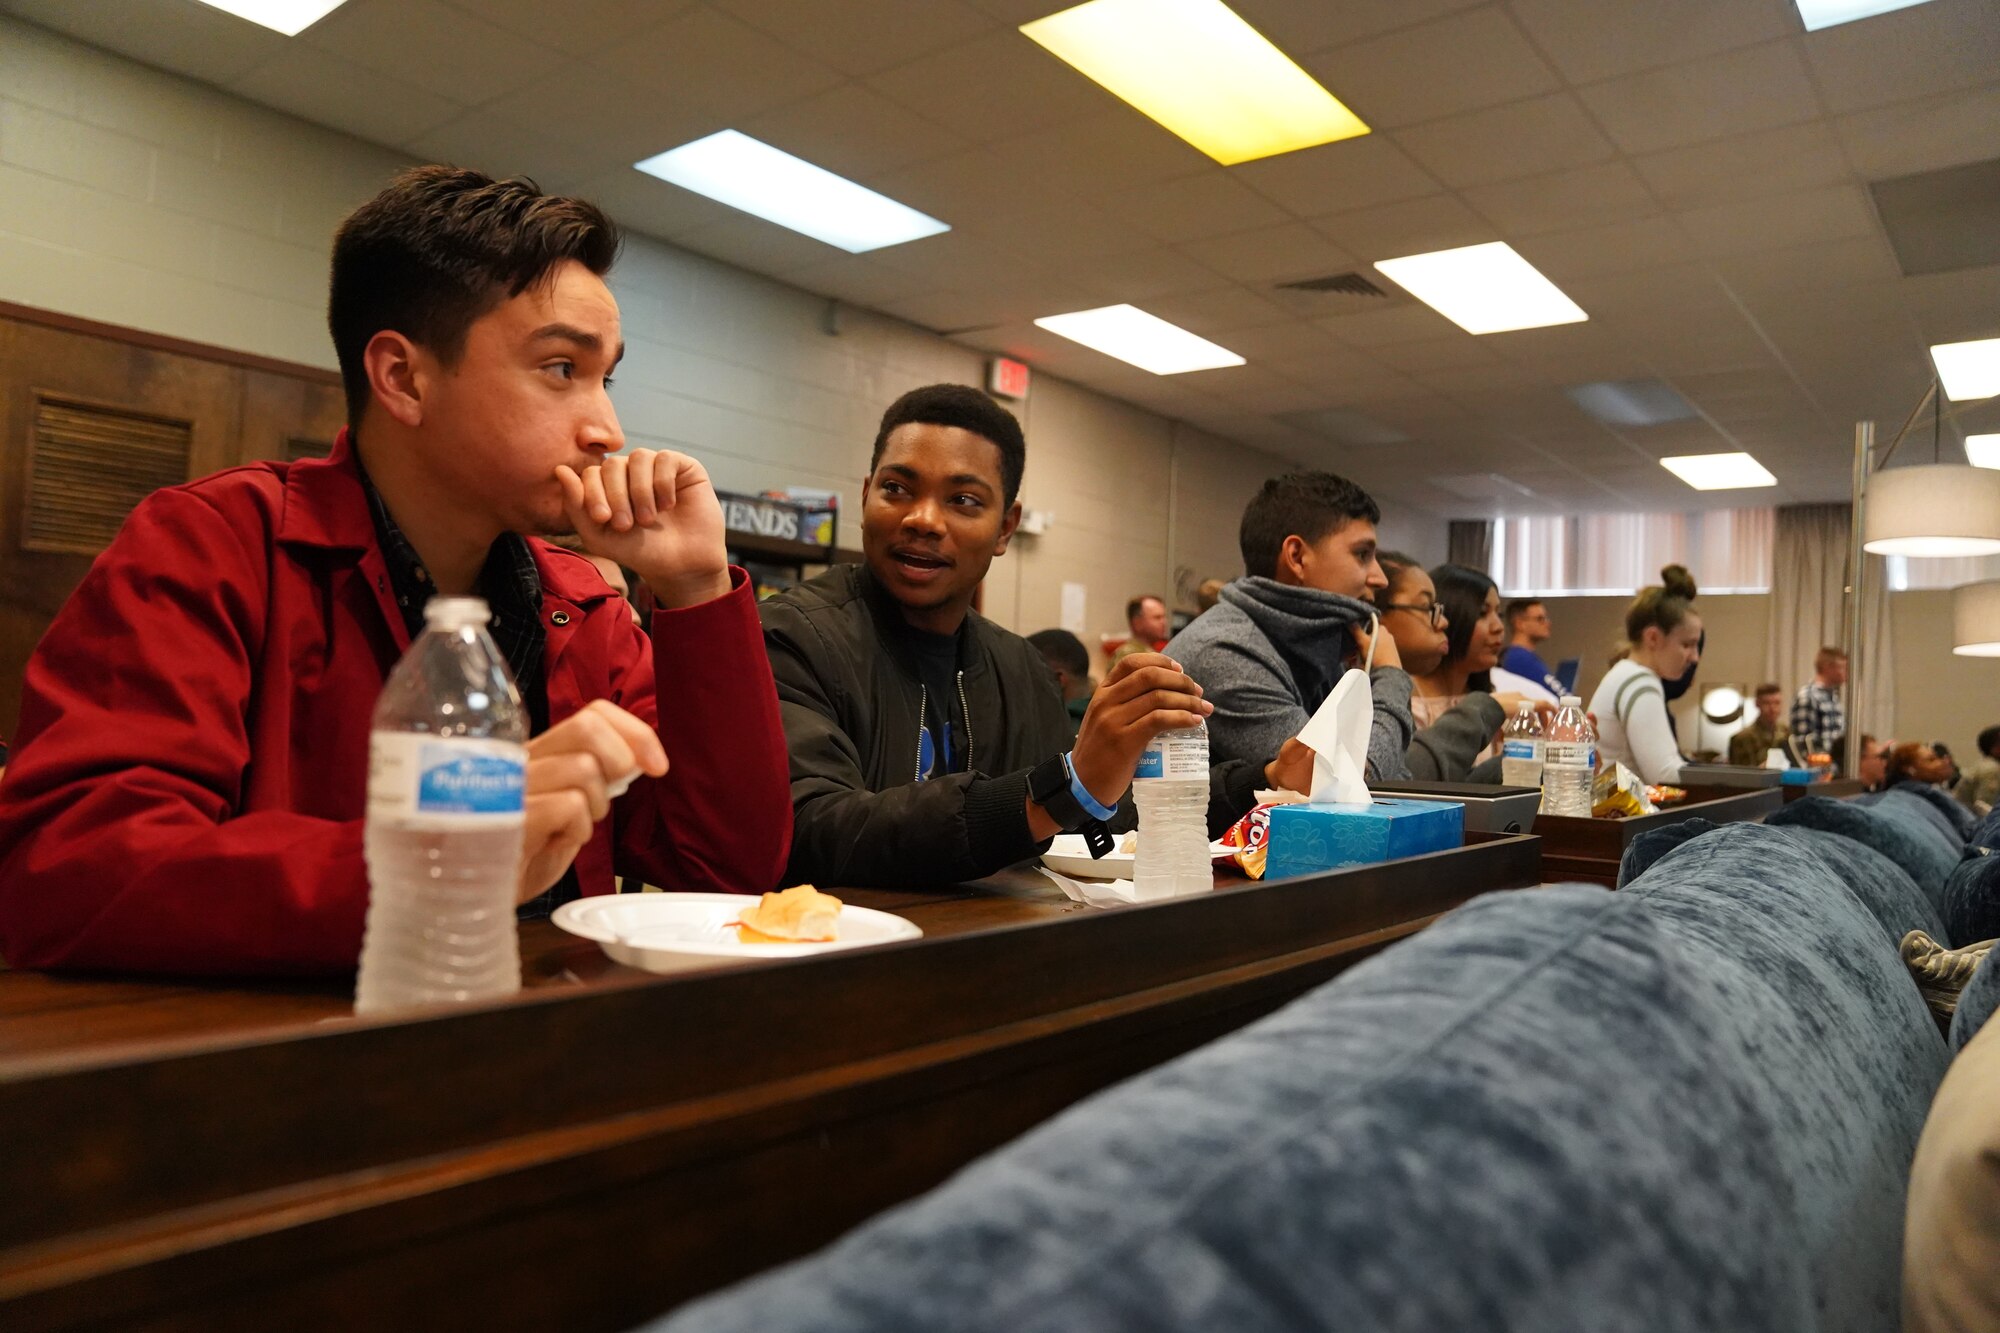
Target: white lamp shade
[
  {"x": 1935, "y": 511},
  {"x": 1975, "y": 620},
  {"x": 1724, "y": 703}
]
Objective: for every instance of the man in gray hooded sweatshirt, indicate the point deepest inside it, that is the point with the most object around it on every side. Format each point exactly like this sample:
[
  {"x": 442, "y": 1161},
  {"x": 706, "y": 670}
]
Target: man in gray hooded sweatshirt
[{"x": 1273, "y": 648}]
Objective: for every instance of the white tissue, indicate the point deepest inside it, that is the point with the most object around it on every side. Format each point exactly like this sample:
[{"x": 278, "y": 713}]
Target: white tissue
[{"x": 1338, "y": 736}]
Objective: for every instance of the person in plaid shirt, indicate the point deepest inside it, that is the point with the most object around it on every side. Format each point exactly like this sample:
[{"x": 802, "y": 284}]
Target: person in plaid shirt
[{"x": 1819, "y": 722}]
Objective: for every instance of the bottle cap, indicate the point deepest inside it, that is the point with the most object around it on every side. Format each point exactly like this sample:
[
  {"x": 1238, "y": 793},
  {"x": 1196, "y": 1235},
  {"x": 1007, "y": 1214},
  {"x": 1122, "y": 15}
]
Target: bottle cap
[
  {"x": 450, "y": 613},
  {"x": 1572, "y": 701}
]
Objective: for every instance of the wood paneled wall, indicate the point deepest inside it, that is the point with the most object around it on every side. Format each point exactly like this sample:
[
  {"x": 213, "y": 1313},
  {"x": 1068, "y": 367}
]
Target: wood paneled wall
[{"x": 65, "y": 378}]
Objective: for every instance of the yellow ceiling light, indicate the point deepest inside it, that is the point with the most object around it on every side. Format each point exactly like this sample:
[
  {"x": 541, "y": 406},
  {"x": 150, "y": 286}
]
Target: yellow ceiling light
[{"x": 1201, "y": 71}]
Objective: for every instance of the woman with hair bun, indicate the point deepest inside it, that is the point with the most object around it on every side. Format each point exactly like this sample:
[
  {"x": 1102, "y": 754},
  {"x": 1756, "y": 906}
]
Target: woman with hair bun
[{"x": 1662, "y": 641}]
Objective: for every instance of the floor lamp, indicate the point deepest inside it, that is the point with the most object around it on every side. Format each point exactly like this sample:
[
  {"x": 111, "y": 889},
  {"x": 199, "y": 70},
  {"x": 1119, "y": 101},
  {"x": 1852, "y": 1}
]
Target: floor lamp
[{"x": 1929, "y": 511}]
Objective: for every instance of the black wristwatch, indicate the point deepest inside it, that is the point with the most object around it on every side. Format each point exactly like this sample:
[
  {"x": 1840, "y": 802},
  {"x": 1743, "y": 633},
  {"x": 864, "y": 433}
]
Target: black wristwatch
[{"x": 1048, "y": 787}]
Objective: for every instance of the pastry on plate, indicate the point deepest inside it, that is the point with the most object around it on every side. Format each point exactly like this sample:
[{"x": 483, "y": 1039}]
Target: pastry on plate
[{"x": 799, "y": 915}]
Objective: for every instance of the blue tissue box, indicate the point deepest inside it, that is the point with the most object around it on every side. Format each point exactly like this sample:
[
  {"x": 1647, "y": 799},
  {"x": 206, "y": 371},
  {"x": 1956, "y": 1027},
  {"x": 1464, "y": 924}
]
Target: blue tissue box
[
  {"x": 1306, "y": 839},
  {"x": 1801, "y": 777}
]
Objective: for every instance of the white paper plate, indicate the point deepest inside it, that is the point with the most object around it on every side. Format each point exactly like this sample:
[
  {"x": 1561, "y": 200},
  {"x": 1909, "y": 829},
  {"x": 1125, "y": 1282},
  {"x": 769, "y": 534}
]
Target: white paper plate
[
  {"x": 1069, "y": 854},
  {"x": 664, "y": 932}
]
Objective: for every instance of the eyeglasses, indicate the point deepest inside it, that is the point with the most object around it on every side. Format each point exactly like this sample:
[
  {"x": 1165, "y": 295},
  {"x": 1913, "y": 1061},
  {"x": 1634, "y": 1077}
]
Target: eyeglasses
[{"x": 1434, "y": 610}]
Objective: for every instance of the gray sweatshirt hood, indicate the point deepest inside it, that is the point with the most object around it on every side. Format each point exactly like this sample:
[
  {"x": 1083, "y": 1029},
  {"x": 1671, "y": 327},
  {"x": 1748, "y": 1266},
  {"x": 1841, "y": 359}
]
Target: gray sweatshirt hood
[{"x": 1309, "y": 628}]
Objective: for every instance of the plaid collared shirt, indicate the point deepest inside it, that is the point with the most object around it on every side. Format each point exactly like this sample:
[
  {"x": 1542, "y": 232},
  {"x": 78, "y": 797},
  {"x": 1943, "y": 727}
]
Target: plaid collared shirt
[
  {"x": 512, "y": 587},
  {"x": 1818, "y": 720}
]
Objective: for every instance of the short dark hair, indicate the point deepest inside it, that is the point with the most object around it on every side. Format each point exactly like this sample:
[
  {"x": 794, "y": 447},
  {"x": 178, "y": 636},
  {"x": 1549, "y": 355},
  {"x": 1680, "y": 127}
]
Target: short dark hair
[
  {"x": 1519, "y": 607},
  {"x": 1462, "y": 591},
  {"x": 440, "y": 247},
  {"x": 967, "y": 408},
  {"x": 1394, "y": 566},
  {"x": 1307, "y": 505},
  {"x": 1138, "y": 604},
  {"x": 1988, "y": 739},
  {"x": 1062, "y": 649},
  {"x": 1768, "y": 688}
]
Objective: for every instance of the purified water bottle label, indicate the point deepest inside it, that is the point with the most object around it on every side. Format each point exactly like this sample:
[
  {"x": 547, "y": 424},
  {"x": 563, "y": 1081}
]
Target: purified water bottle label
[
  {"x": 1570, "y": 754},
  {"x": 1520, "y": 750},
  {"x": 458, "y": 782},
  {"x": 1175, "y": 756}
]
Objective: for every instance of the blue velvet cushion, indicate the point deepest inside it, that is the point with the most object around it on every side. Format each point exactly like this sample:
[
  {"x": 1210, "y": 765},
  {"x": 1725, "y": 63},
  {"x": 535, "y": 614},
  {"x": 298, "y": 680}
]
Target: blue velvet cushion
[
  {"x": 1650, "y": 846},
  {"x": 1976, "y": 1003},
  {"x": 1946, "y": 817},
  {"x": 1915, "y": 847},
  {"x": 1987, "y": 832},
  {"x": 1679, "y": 1107},
  {"x": 1884, "y": 887},
  {"x": 1971, "y": 905}
]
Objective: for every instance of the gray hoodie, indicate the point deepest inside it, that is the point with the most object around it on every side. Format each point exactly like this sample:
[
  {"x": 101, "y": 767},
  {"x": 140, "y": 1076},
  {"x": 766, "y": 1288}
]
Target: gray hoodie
[{"x": 1268, "y": 654}]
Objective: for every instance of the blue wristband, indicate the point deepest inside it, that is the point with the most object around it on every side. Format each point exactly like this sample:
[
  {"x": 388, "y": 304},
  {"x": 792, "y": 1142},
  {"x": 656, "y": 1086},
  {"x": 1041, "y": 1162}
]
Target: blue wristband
[{"x": 1083, "y": 796}]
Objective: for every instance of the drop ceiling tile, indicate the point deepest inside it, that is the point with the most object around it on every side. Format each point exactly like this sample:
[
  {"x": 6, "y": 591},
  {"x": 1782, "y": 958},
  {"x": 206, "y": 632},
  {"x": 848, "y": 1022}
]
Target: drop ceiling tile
[
  {"x": 1756, "y": 88},
  {"x": 856, "y": 279},
  {"x": 890, "y": 33},
  {"x": 1815, "y": 266},
  {"x": 1383, "y": 328},
  {"x": 630, "y": 119},
  {"x": 1335, "y": 177},
  {"x": 1459, "y": 63},
  {"x": 757, "y": 245},
  {"x": 707, "y": 59},
  {"x": 1301, "y": 28},
  {"x": 1744, "y": 166},
  {"x": 1411, "y": 227},
  {"x": 586, "y": 26},
  {"x": 1209, "y": 203},
  {"x": 1097, "y": 155},
  {"x": 1832, "y": 213},
  {"x": 337, "y": 93},
  {"x": 1431, "y": 355},
  {"x": 993, "y": 87},
  {"x": 647, "y": 204},
  {"x": 1565, "y": 200},
  {"x": 1906, "y": 55},
  {"x": 1140, "y": 275},
  {"x": 1923, "y": 135},
  {"x": 853, "y": 131},
  {"x": 180, "y": 35},
  {"x": 485, "y": 142},
  {"x": 1066, "y": 234},
  {"x": 428, "y": 45},
  {"x": 1589, "y": 40},
  {"x": 1214, "y": 313},
  {"x": 1265, "y": 256},
  {"x": 1530, "y": 138},
  {"x": 1292, "y": 342},
  {"x": 1617, "y": 247},
  {"x": 939, "y": 311}
]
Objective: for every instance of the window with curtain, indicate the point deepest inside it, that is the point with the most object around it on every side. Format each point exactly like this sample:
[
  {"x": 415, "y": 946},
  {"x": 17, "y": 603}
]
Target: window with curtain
[
  {"x": 1727, "y": 550},
  {"x": 1905, "y": 574}
]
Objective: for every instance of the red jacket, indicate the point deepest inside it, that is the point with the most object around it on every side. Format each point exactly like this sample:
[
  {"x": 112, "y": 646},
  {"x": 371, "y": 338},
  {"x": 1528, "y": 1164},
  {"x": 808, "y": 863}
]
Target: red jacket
[{"x": 190, "y": 771}]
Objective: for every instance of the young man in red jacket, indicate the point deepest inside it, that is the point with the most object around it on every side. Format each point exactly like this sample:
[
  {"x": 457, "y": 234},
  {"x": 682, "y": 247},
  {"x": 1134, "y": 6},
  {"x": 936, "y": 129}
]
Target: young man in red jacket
[{"x": 189, "y": 776}]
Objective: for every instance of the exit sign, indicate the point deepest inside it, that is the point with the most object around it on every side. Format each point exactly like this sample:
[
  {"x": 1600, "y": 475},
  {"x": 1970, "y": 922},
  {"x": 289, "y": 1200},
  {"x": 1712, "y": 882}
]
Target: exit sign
[{"x": 1007, "y": 377}]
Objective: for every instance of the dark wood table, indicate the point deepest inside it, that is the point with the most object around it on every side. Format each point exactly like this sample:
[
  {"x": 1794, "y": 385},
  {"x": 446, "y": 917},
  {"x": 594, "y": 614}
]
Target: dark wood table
[
  {"x": 608, "y": 1143},
  {"x": 1838, "y": 789},
  {"x": 1591, "y": 849}
]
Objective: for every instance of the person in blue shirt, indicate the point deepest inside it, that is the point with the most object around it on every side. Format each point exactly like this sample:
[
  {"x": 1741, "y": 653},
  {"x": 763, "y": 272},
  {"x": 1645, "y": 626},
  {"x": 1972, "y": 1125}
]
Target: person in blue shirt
[{"x": 1527, "y": 630}]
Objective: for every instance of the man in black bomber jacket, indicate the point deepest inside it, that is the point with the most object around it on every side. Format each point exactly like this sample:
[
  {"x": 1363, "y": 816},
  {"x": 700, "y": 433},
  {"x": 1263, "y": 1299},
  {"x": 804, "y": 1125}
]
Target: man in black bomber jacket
[{"x": 928, "y": 745}]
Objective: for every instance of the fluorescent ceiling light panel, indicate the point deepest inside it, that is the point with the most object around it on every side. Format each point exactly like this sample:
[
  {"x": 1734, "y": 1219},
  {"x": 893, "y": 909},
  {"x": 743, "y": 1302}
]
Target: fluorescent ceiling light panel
[
  {"x": 1968, "y": 370},
  {"x": 1201, "y": 71},
  {"x": 1983, "y": 450},
  {"x": 732, "y": 168},
  {"x": 1719, "y": 472},
  {"x": 1827, "y": 13},
  {"x": 291, "y": 17},
  {"x": 1483, "y": 288},
  {"x": 1631, "y": 402},
  {"x": 1140, "y": 339}
]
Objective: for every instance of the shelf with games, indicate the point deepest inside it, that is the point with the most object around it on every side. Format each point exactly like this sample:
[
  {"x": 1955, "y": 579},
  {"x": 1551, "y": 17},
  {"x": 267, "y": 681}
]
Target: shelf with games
[{"x": 779, "y": 537}]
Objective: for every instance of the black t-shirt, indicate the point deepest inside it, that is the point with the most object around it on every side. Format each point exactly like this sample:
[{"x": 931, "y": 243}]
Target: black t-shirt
[{"x": 942, "y": 749}]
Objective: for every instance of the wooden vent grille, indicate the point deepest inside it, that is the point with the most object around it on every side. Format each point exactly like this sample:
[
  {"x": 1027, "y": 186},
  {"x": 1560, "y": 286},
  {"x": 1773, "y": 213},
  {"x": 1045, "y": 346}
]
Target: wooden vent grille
[{"x": 88, "y": 466}]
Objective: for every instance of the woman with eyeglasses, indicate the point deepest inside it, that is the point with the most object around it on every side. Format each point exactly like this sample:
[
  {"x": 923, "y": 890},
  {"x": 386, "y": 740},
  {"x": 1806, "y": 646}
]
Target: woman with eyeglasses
[{"x": 1452, "y": 737}]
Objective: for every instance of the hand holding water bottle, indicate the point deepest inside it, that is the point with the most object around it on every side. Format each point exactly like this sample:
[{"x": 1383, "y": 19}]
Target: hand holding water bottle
[{"x": 1145, "y": 694}]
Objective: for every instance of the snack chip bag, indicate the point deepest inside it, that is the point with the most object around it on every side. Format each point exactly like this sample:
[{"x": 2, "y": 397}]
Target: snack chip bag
[
  {"x": 1248, "y": 840},
  {"x": 1617, "y": 793}
]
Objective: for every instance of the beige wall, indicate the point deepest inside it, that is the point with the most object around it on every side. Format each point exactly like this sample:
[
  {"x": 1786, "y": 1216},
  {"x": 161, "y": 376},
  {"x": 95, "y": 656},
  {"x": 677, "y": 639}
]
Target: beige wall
[
  {"x": 1939, "y": 696},
  {"x": 142, "y": 199}
]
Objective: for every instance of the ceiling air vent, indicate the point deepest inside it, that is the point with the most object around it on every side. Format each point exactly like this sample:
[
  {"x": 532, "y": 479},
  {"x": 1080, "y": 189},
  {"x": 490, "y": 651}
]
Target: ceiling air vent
[
  {"x": 88, "y": 465},
  {"x": 1338, "y": 284}
]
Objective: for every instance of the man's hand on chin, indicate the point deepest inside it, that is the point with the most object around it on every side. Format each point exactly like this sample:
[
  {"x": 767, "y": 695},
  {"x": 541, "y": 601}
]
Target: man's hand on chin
[{"x": 654, "y": 512}]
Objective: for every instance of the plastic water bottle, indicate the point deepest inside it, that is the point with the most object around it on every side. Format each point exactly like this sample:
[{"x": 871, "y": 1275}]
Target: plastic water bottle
[
  {"x": 1171, "y": 790},
  {"x": 1569, "y": 761},
  {"x": 446, "y": 771},
  {"x": 1521, "y": 748}
]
